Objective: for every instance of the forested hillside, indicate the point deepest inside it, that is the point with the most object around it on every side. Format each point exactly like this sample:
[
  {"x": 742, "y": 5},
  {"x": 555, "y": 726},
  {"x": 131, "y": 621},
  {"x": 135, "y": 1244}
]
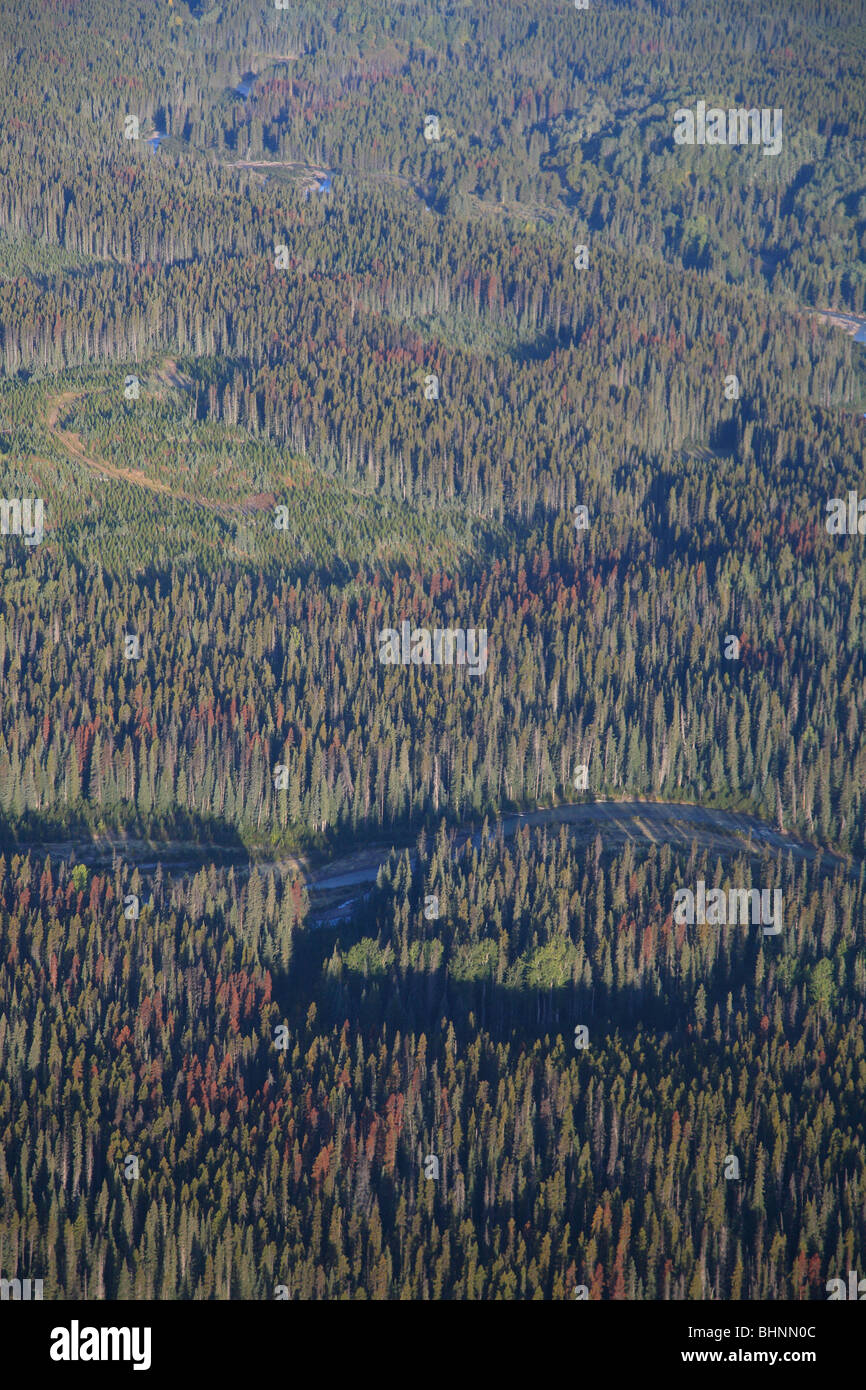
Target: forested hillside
[
  {"x": 302, "y": 1164},
  {"x": 319, "y": 321}
]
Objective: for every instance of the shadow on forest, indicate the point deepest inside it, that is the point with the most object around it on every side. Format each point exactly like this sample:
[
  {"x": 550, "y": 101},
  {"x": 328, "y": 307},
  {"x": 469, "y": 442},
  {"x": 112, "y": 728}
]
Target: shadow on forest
[
  {"x": 415, "y": 1001},
  {"x": 95, "y": 840}
]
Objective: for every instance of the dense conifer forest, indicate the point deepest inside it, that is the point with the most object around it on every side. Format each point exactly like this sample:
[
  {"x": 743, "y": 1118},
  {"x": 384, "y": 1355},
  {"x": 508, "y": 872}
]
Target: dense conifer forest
[{"x": 320, "y": 320}]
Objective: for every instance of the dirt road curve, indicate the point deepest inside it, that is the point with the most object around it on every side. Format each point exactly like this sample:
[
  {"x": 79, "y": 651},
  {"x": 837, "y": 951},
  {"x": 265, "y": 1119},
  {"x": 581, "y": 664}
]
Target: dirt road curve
[
  {"x": 618, "y": 823},
  {"x": 72, "y": 443},
  {"x": 74, "y": 446}
]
